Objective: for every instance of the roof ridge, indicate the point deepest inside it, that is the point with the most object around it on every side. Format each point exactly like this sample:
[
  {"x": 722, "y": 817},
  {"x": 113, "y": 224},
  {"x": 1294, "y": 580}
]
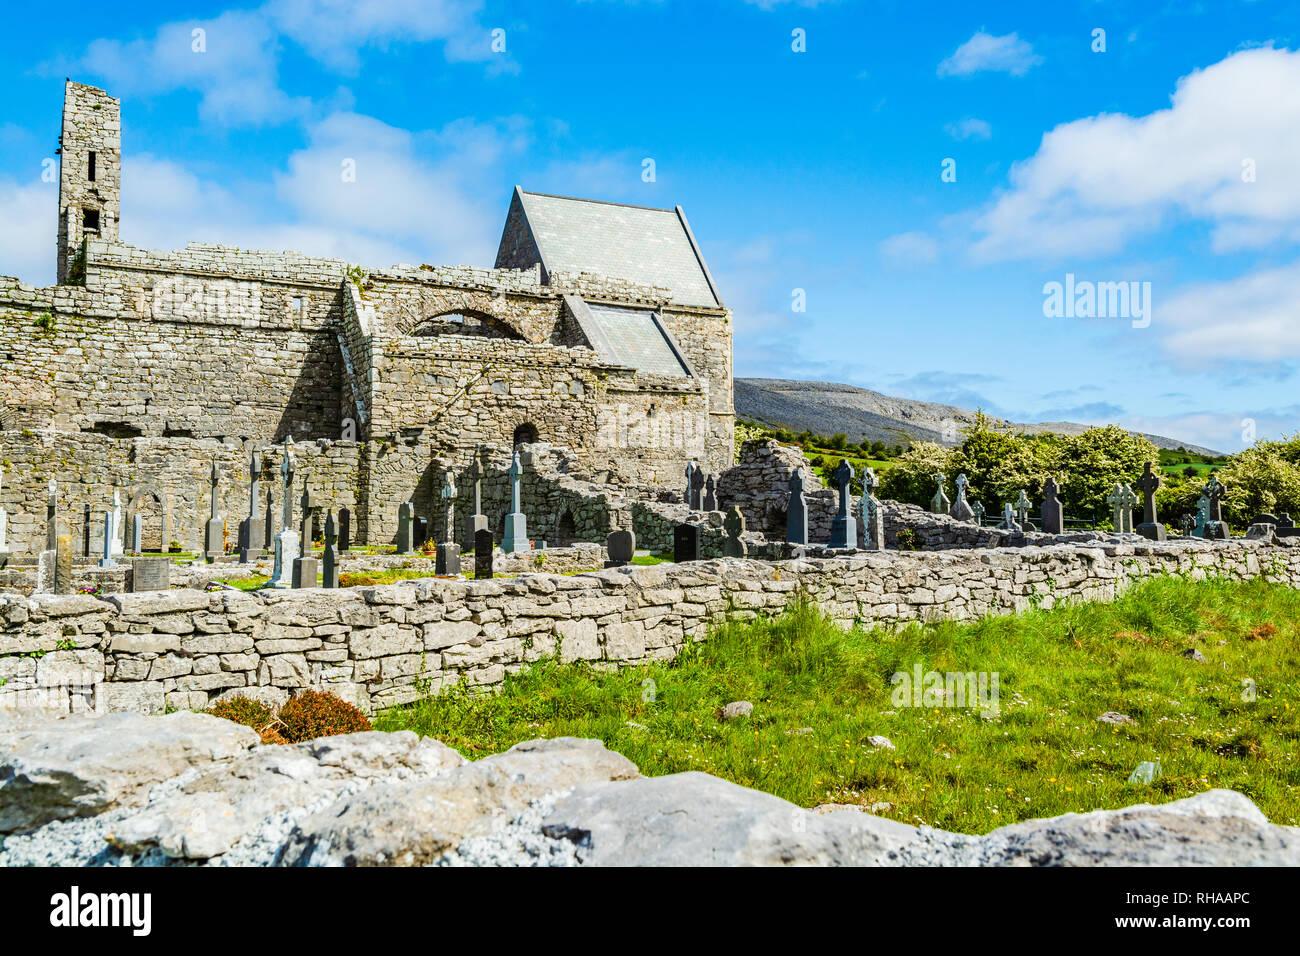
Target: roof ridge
[{"x": 599, "y": 202}]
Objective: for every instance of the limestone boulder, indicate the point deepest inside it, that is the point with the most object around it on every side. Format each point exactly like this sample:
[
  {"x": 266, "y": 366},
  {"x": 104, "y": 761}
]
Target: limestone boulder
[
  {"x": 211, "y": 813},
  {"x": 1215, "y": 828},
  {"x": 694, "y": 819},
  {"x": 409, "y": 824},
  {"x": 81, "y": 766}
]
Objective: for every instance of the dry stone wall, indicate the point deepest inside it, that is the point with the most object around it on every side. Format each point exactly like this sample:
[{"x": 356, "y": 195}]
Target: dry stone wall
[{"x": 387, "y": 645}]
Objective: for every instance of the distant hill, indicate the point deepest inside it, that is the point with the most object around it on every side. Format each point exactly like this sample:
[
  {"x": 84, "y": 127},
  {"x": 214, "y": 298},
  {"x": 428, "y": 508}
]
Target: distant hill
[{"x": 827, "y": 409}]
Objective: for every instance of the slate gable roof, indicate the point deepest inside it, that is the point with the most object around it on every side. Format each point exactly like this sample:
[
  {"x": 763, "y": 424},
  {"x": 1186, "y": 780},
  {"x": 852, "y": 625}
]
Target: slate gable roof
[{"x": 637, "y": 243}]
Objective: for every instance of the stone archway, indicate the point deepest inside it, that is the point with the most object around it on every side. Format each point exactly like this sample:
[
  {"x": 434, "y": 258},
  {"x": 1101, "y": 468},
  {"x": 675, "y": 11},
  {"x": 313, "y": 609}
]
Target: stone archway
[
  {"x": 566, "y": 531},
  {"x": 151, "y": 505}
]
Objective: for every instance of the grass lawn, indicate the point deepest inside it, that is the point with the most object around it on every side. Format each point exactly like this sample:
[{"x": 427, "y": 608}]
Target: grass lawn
[{"x": 819, "y": 693}]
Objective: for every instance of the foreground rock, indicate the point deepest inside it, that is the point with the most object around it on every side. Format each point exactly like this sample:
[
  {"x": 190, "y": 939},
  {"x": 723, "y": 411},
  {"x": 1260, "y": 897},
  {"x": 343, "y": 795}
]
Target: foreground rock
[
  {"x": 79, "y": 766},
  {"x": 187, "y": 788}
]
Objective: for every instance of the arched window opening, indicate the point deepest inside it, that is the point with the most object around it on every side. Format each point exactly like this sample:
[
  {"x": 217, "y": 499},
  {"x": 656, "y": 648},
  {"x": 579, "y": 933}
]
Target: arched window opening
[{"x": 525, "y": 434}]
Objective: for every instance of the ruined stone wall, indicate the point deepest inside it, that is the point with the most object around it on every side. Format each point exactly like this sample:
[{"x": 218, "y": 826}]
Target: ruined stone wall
[
  {"x": 156, "y": 476},
  {"x": 150, "y": 352},
  {"x": 388, "y": 645}
]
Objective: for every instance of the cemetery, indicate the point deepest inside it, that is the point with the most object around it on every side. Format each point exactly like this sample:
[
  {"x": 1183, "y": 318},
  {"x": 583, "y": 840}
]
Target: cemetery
[{"x": 228, "y": 475}]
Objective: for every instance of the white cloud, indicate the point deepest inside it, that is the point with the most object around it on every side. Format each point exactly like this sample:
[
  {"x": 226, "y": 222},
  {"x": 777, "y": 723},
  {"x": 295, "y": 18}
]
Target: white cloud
[
  {"x": 985, "y": 52},
  {"x": 910, "y": 248},
  {"x": 969, "y": 128},
  {"x": 1252, "y": 318},
  {"x": 1097, "y": 182},
  {"x": 430, "y": 196},
  {"x": 333, "y": 31},
  {"x": 28, "y": 240},
  {"x": 237, "y": 70}
]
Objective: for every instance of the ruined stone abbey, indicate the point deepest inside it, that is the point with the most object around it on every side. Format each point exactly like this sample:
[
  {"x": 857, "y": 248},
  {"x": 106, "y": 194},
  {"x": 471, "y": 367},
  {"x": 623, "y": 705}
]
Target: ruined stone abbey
[{"x": 599, "y": 337}]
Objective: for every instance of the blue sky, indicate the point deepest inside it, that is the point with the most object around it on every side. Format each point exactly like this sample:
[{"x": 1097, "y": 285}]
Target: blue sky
[{"x": 815, "y": 170}]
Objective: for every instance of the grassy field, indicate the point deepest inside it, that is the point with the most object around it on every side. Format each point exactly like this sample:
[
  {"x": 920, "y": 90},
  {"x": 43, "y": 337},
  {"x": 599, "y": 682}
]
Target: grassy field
[{"x": 819, "y": 693}]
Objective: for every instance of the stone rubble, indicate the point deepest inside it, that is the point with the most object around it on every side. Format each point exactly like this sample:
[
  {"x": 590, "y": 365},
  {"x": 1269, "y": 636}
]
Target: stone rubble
[{"x": 376, "y": 799}]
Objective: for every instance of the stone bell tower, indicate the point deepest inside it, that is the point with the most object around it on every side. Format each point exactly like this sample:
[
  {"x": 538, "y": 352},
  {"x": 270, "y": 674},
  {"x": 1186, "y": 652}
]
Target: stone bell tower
[{"x": 90, "y": 171}]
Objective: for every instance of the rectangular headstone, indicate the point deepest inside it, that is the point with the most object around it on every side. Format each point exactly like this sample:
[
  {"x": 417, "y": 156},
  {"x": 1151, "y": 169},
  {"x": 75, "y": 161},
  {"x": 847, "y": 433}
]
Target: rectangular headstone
[
  {"x": 304, "y": 572},
  {"x": 448, "y": 560},
  {"x": 404, "y": 528},
  {"x": 151, "y": 574},
  {"x": 329, "y": 569},
  {"x": 686, "y": 543},
  {"x": 252, "y": 534},
  {"x": 483, "y": 554},
  {"x": 214, "y": 543},
  {"x": 63, "y": 581},
  {"x": 621, "y": 545},
  {"x": 345, "y": 529}
]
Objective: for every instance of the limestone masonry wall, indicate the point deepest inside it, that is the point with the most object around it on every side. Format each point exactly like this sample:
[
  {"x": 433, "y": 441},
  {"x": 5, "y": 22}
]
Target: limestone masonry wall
[{"x": 388, "y": 645}]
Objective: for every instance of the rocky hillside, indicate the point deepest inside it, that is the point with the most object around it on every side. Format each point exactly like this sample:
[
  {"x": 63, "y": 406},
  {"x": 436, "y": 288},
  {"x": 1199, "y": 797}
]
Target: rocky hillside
[
  {"x": 190, "y": 788},
  {"x": 827, "y": 409}
]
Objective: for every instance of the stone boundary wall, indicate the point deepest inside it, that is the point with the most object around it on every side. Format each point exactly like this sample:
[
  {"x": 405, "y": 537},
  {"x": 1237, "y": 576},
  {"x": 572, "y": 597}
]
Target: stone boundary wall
[{"x": 389, "y": 645}]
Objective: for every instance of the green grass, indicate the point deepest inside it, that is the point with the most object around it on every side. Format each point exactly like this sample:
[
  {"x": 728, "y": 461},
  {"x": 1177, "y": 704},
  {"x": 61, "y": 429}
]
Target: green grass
[{"x": 1044, "y": 754}]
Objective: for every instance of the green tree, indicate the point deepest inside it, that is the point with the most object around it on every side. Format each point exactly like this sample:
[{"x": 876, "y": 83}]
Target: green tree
[
  {"x": 997, "y": 462},
  {"x": 1260, "y": 479},
  {"x": 1090, "y": 464},
  {"x": 911, "y": 477}
]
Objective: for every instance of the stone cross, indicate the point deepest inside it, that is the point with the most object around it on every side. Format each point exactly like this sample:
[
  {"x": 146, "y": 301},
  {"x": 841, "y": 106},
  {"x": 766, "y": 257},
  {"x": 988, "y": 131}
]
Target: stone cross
[
  {"x": 844, "y": 529},
  {"x": 251, "y": 532},
  {"x": 1053, "y": 514},
  {"x": 1215, "y": 491},
  {"x": 330, "y": 560},
  {"x": 1127, "y": 501},
  {"x": 478, "y": 520},
  {"x": 254, "y": 478},
  {"x": 697, "y": 490},
  {"x": 939, "y": 504},
  {"x": 286, "y": 542},
  {"x": 690, "y": 482},
  {"x": 873, "y": 524},
  {"x": 213, "y": 538},
  {"x": 514, "y": 473},
  {"x": 1009, "y": 518},
  {"x": 107, "y": 560},
  {"x": 52, "y": 517},
  {"x": 448, "y": 495},
  {"x": 961, "y": 509},
  {"x": 734, "y": 524},
  {"x": 119, "y": 528},
  {"x": 1185, "y": 524},
  {"x": 1116, "y": 501},
  {"x": 977, "y": 508},
  {"x": 1202, "y": 517},
  {"x": 796, "y": 511},
  {"x": 286, "y": 485},
  {"x": 1023, "y": 504},
  {"x": 710, "y": 494},
  {"x": 308, "y": 510},
  {"x": 516, "y": 530},
  {"x": 1148, "y": 484}
]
